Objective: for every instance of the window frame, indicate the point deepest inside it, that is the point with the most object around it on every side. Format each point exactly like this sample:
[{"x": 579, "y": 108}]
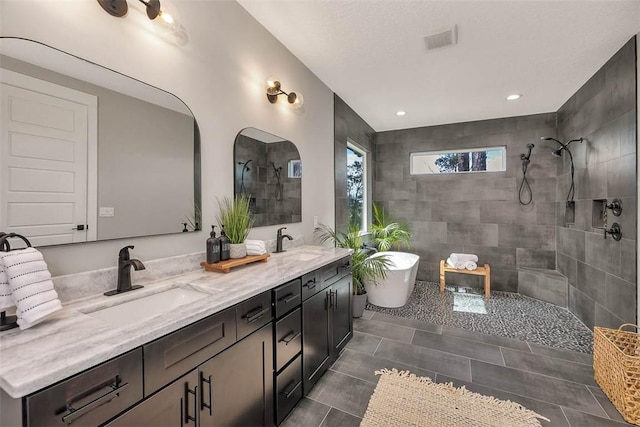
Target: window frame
[
  {"x": 357, "y": 148},
  {"x": 502, "y": 148}
]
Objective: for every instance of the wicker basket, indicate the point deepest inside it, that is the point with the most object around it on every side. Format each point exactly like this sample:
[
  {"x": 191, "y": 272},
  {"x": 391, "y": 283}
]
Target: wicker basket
[{"x": 616, "y": 365}]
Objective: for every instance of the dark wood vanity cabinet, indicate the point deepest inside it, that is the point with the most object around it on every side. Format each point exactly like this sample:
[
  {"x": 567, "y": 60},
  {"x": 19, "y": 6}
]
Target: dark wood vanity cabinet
[
  {"x": 327, "y": 323},
  {"x": 175, "y": 405},
  {"x": 236, "y": 386}
]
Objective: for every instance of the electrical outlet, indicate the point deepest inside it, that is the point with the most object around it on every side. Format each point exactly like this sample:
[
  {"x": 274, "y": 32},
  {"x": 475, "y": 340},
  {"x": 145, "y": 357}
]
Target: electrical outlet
[{"x": 107, "y": 212}]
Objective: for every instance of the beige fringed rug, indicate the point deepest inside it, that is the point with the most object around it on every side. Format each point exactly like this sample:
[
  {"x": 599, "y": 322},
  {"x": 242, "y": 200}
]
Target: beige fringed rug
[{"x": 403, "y": 399}]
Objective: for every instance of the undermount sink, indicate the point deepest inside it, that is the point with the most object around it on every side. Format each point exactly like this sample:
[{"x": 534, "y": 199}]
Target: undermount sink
[
  {"x": 146, "y": 307},
  {"x": 303, "y": 256}
]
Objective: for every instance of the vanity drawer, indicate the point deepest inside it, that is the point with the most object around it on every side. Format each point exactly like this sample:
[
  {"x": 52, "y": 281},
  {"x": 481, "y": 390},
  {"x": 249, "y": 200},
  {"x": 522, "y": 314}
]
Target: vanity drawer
[
  {"x": 89, "y": 398},
  {"x": 253, "y": 314},
  {"x": 170, "y": 357},
  {"x": 287, "y": 297},
  {"x": 335, "y": 271},
  {"x": 310, "y": 284},
  {"x": 288, "y": 389},
  {"x": 288, "y": 338}
]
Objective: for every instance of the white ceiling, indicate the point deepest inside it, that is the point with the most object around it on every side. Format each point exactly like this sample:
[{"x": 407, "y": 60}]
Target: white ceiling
[{"x": 372, "y": 54}]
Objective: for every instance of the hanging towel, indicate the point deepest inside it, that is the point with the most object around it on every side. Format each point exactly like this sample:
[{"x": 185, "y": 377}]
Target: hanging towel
[
  {"x": 6, "y": 300},
  {"x": 459, "y": 265},
  {"x": 463, "y": 257},
  {"x": 255, "y": 247},
  {"x": 31, "y": 286},
  {"x": 470, "y": 265}
]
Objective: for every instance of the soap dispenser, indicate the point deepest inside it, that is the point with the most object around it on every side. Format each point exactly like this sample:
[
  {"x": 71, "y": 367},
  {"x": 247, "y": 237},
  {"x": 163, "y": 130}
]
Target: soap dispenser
[
  {"x": 213, "y": 247},
  {"x": 224, "y": 245}
]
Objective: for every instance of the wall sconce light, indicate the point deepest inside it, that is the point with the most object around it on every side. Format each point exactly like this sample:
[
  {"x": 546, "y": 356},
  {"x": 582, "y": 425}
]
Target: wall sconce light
[
  {"x": 119, "y": 8},
  {"x": 274, "y": 89}
]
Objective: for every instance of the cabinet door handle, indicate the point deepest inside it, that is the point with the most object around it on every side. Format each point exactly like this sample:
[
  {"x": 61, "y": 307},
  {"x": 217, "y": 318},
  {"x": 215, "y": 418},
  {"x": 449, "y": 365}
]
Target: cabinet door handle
[
  {"x": 114, "y": 391},
  {"x": 187, "y": 392},
  {"x": 203, "y": 405},
  {"x": 290, "y": 337},
  {"x": 334, "y": 300},
  {"x": 291, "y": 387},
  {"x": 288, "y": 298},
  {"x": 311, "y": 284},
  {"x": 256, "y": 314}
]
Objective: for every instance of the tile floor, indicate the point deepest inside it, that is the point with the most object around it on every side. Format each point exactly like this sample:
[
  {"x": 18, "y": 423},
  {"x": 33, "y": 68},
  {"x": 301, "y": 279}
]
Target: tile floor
[
  {"x": 505, "y": 314},
  {"x": 555, "y": 383}
]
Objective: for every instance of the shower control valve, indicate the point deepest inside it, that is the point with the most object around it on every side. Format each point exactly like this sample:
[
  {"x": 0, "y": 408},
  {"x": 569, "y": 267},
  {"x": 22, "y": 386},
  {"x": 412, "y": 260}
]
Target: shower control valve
[
  {"x": 615, "y": 231},
  {"x": 615, "y": 206}
]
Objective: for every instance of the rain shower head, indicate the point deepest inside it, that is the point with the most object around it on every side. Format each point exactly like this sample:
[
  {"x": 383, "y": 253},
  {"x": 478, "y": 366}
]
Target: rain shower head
[{"x": 558, "y": 152}]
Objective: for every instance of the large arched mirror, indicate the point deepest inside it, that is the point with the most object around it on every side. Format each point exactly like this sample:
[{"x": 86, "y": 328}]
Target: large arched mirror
[
  {"x": 87, "y": 153},
  {"x": 268, "y": 169}
]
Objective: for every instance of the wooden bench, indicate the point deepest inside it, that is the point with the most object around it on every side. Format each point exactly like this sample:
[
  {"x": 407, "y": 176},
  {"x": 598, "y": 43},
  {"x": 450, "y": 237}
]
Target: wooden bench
[{"x": 480, "y": 271}]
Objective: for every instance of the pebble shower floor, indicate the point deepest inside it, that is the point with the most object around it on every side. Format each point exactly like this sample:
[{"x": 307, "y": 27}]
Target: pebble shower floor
[{"x": 504, "y": 314}]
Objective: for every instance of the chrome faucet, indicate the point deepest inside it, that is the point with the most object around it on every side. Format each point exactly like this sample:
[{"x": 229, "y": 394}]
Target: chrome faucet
[
  {"x": 280, "y": 237},
  {"x": 124, "y": 272}
]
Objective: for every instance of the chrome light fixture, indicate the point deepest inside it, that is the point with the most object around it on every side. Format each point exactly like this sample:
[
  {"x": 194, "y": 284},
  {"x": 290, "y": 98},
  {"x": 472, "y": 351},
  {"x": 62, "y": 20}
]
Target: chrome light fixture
[{"x": 274, "y": 89}]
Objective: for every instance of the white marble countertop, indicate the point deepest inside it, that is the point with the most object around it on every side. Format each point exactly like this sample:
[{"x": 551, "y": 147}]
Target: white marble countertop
[{"x": 70, "y": 341}]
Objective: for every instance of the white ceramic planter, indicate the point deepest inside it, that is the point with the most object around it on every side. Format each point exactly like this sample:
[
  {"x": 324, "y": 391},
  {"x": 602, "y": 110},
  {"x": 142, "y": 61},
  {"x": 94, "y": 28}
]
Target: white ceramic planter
[{"x": 237, "y": 250}]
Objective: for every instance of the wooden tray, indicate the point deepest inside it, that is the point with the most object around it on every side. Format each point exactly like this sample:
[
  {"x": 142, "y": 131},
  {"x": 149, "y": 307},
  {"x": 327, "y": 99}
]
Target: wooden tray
[{"x": 226, "y": 266}]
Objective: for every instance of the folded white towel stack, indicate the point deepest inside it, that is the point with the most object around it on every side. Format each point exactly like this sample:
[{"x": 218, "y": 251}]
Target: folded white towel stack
[
  {"x": 31, "y": 286},
  {"x": 463, "y": 257},
  {"x": 459, "y": 265},
  {"x": 470, "y": 265},
  {"x": 255, "y": 247}
]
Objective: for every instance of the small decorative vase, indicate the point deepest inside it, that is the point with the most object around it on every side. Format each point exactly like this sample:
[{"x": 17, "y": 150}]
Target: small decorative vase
[
  {"x": 359, "y": 304},
  {"x": 237, "y": 250}
]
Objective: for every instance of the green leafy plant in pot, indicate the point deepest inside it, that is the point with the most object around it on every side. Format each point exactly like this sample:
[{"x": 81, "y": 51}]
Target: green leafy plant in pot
[
  {"x": 237, "y": 219},
  {"x": 362, "y": 266},
  {"x": 386, "y": 233}
]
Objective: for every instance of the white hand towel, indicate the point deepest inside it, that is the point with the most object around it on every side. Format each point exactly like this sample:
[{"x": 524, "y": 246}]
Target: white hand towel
[
  {"x": 6, "y": 299},
  {"x": 463, "y": 257},
  {"x": 470, "y": 265},
  {"x": 255, "y": 247},
  {"x": 459, "y": 265},
  {"x": 31, "y": 286}
]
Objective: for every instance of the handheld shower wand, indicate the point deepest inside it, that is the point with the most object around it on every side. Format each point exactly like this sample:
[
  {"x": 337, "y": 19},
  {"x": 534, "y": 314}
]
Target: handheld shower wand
[
  {"x": 524, "y": 185},
  {"x": 245, "y": 168}
]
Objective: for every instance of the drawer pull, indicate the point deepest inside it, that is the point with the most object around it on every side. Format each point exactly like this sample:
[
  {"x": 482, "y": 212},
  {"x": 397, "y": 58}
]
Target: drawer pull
[
  {"x": 203, "y": 405},
  {"x": 187, "y": 392},
  {"x": 311, "y": 284},
  {"x": 256, "y": 314},
  {"x": 288, "y": 298},
  {"x": 107, "y": 397},
  {"x": 290, "y": 337},
  {"x": 291, "y": 388}
]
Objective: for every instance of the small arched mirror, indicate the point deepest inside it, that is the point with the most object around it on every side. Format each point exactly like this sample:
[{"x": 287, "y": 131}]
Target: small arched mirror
[{"x": 268, "y": 169}]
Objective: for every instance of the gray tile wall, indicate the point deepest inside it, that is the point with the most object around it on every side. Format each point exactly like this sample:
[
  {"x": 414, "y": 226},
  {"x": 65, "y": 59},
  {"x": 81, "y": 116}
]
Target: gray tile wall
[
  {"x": 601, "y": 273},
  {"x": 474, "y": 212},
  {"x": 347, "y": 125}
]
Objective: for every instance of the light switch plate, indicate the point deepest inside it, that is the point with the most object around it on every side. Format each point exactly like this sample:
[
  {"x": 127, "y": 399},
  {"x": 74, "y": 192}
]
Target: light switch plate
[{"x": 107, "y": 212}]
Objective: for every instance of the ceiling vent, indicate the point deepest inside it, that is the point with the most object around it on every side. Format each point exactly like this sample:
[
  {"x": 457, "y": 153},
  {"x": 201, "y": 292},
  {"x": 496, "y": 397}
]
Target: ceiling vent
[{"x": 443, "y": 37}]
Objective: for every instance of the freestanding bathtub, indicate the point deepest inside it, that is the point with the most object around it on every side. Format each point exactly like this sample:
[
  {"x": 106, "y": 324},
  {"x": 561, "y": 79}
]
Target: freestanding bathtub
[{"x": 395, "y": 289}]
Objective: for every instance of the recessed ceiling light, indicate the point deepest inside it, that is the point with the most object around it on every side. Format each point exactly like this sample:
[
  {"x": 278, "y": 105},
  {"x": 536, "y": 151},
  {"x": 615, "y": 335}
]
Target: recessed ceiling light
[
  {"x": 401, "y": 113},
  {"x": 513, "y": 97}
]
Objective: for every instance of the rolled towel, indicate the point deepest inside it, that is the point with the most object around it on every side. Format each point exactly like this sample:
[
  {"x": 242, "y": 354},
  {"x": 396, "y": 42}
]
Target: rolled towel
[
  {"x": 470, "y": 265},
  {"x": 463, "y": 257},
  {"x": 31, "y": 286},
  {"x": 255, "y": 247},
  {"x": 459, "y": 265},
  {"x": 6, "y": 298}
]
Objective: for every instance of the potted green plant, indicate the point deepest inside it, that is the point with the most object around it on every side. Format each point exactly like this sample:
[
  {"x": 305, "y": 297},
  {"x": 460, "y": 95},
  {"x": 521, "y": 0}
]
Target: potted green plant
[
  {"x": 236, "y": 218},
  {"x": 387, "y": 234},
  {"x": 362, "y": 266}
]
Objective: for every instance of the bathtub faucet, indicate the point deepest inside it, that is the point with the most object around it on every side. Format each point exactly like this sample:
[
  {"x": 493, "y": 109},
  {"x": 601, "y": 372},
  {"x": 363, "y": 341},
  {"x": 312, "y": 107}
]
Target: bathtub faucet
[{"x": 369, "y": 250}]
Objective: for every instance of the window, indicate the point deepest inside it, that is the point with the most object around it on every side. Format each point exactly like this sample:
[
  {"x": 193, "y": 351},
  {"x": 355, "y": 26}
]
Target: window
[
  {"x": 357, "y": 186},
  {"x": 492, "y": 159}
]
